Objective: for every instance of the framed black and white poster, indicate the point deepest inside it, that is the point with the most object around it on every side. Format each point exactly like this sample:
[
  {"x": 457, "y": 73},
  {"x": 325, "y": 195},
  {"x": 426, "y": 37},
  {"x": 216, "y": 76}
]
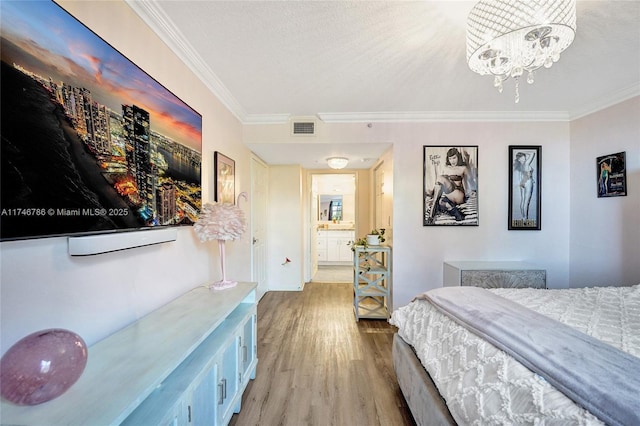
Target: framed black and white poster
[
  {"x": 524, "y": 187},
  {"x": 450, "y": 185},
  {"x": 612, "y": 175}
]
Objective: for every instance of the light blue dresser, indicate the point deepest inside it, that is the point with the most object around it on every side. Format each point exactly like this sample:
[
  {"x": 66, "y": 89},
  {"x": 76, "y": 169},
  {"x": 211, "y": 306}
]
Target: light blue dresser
[{"x": 188, "y": 362}]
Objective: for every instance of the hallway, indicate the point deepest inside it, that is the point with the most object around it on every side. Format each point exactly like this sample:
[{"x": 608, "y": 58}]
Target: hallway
[{"x": 333, "y": 274}]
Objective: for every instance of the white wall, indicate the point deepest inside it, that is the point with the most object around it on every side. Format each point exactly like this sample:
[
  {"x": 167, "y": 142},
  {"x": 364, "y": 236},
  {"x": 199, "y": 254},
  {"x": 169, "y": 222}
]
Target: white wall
[
  {"x": 42, "y": 287},
  {"x": 605, "y": 232},
  {"x": 419, "y": 251}
]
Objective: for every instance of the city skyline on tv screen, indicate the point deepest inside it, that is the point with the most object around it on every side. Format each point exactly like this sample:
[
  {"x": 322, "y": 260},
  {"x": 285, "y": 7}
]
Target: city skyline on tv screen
[{"x": 90, "y": 142}]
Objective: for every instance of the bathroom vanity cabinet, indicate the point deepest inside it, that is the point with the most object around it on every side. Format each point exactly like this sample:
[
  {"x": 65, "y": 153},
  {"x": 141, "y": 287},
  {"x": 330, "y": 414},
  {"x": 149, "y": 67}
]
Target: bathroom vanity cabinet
[{"x": 333, "y": 245}]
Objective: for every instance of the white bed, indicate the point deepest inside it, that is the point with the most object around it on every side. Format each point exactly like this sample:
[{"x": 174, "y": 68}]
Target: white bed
[{"x": 480, "y": 384}]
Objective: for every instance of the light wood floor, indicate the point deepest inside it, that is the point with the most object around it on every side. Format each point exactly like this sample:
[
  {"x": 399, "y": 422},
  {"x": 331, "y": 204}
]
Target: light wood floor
[{"x": 318, "y": 366}]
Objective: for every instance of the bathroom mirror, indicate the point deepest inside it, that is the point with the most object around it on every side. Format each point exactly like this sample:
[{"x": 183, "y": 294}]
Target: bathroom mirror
[{"x": 329, "y": 207}]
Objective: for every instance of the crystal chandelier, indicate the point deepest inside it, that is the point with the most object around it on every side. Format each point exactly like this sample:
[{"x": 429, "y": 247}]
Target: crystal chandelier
[{"x": 506, "y": 38}]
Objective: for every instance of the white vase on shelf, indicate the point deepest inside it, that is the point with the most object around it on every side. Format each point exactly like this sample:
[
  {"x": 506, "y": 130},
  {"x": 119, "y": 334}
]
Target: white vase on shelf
[{"x": 373, "y": 240}]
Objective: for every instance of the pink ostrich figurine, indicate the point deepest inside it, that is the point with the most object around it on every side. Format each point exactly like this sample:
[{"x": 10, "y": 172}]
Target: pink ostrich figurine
[{"x": 222, "y": 222}]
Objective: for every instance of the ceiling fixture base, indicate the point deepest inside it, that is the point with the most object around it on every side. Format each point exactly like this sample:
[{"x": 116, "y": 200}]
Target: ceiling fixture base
[{"x": 337, "y": 162}]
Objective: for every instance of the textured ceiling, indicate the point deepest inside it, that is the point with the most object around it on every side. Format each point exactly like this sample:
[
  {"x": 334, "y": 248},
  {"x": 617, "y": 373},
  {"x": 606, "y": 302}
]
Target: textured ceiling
[{"x": 373, "y": 61}]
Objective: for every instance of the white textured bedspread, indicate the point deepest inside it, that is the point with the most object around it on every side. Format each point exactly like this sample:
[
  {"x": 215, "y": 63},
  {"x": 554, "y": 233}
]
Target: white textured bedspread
[{"x": 483, "y": 385}]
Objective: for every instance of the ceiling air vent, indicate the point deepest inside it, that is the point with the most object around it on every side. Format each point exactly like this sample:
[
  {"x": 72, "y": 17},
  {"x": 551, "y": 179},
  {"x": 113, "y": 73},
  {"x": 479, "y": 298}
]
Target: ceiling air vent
[{"x": 306, "y": 128}]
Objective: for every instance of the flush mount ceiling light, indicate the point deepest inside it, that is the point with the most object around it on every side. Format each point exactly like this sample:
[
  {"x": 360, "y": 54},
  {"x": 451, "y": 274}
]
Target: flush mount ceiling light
[
  {"x": 506, "y": 38},
  {"x": 337, "y": 162}
]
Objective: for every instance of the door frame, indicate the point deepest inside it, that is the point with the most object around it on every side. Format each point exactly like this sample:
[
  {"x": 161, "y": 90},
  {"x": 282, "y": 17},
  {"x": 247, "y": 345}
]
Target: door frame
[
  {"x": 259, "y": 270},
  {"x": 312, "y": 223}
]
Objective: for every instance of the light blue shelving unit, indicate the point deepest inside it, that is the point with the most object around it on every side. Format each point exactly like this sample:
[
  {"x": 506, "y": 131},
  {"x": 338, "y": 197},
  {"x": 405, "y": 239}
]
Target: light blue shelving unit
[{"x": 372, "y": 282}]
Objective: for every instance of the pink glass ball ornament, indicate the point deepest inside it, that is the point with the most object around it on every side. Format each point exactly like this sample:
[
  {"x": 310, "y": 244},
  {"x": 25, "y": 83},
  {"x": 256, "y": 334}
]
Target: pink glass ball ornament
[{"x": 42, "y": 366}]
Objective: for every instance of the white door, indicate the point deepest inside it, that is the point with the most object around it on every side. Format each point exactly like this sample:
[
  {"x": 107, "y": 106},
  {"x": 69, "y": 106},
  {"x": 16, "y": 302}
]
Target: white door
[{"x": 259, "y": 197}]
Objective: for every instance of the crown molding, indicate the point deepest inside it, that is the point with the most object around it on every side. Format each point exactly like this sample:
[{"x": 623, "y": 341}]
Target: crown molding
[
  {"x": 440, "y": 116},
  {"x": 419, "y": 117},
  {"x": 613, "y": 99},
  {"x": 155, "y": 17}
]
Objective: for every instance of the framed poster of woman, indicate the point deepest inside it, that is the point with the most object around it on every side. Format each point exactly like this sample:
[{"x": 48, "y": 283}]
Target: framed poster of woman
[
  {"x": 524, "y": 187},
  {"x": 612, "y": 175},
  {"x": 450, "y": 181}
]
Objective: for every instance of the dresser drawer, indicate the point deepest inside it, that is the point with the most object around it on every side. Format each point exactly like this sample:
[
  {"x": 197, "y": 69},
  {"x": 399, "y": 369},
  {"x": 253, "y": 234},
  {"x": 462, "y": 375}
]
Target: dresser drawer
[
  {"x": 487, "y": 274},
  {"x": 348, "y": 235},
  {"x": 504, "y": 279}
]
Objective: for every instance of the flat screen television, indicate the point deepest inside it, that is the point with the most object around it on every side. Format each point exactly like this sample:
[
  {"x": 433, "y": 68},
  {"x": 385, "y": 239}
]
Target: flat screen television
[{"x": 90, "y": 142}]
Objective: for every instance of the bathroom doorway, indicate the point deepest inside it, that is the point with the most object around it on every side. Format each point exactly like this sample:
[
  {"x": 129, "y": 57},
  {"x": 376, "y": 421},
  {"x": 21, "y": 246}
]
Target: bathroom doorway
[{"x": 333, "y": 225}]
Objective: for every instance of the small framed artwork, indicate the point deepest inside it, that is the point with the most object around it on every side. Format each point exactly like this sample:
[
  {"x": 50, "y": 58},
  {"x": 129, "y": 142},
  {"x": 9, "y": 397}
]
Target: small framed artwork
[
  {"x": 225, "y": 179},
  {"x": 524, "y": 187},
  {"x": 450, "y": 185},
  {"x": 612, "y": 175}
]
